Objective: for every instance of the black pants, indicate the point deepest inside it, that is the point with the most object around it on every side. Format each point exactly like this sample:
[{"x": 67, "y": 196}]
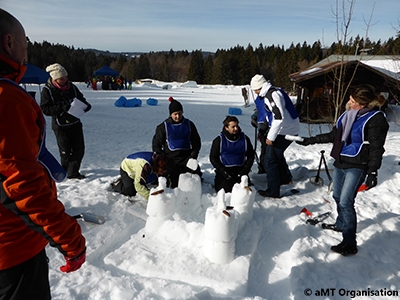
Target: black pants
[
  {"x": 275, "y": 165},
  {"x": 71, "y": 145},
  {"x": 173, "y": 177},
  {"x": 28, "y": 280},
  {"x": 125, "y": 185},
  {"x": 221, "y": 182}
]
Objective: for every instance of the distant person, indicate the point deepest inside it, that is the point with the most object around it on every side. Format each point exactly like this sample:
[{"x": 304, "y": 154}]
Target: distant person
[
  {"x": 63, "y": 101},
  {"x": 275, "y": 106},
  {"x": 31, "y": 216},
  {"x": 177, "y": 137},
  {"x": 138, "y": 170},
  {"x": 94, "y": 84},
  {"x": 245, "y": 94},
  {"x": 358, "y": 146},
  {"x": 232, "y": 155}
]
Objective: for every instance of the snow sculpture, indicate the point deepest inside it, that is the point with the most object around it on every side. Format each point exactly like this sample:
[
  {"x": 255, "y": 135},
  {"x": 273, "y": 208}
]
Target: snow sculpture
[
  {"x": 188, "y": 194},
  {"x": 220, "y": 232},
  {"x": 160, "y": 207},
  {"x": 242, "y": 200}
]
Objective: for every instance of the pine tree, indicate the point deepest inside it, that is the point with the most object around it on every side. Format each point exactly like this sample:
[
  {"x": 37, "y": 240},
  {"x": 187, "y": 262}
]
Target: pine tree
[{"x": 196, "y": 67}]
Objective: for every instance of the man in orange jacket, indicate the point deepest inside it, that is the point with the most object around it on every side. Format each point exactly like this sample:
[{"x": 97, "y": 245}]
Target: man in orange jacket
[{"x": 30, "y": 213}]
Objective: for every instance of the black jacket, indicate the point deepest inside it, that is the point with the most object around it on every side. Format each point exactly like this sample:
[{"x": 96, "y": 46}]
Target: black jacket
[
  {"x": 215, "y": 153},
  {"x": 370, "y": 157},
  {"x": 180, "y": 157},
  {"x": 55, "y": 103}
]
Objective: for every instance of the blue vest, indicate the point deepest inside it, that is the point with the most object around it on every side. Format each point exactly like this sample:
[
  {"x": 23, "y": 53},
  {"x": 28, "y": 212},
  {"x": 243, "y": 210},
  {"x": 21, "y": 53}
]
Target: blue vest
[
  {"x": 357, "y": 138},
  {"x": 47, "y": 159},
  {"x": 233, "y": 152},
  {"x": 178, "y": 135},
  {"x": 147, "y": 156},
  {"x": 263, "y": 112}
]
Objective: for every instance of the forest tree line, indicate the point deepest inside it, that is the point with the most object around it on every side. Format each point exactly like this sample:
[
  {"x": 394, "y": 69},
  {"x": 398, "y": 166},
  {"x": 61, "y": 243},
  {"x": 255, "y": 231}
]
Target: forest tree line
[{"x": 233, "y": 66}]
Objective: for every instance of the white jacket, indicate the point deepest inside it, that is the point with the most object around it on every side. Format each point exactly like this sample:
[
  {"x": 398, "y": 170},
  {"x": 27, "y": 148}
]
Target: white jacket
[{"x": 279, "y": 126}]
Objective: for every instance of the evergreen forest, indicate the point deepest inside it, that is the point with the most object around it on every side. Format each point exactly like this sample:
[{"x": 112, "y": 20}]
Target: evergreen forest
[{"x": 226, "y": 66}]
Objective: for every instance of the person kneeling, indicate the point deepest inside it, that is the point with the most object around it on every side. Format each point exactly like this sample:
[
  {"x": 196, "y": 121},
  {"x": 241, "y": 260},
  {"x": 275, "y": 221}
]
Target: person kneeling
[
  {"x": 138, "y": 170},
  {"x": 232, "y": 155}
]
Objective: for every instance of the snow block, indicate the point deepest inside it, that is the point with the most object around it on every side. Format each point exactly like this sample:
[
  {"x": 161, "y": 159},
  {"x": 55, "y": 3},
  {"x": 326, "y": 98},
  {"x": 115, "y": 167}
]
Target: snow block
[
  {"x": 152, "y": 102},
  {"x": 234, "y": 111},
  {"x": 120, "y": 102}
]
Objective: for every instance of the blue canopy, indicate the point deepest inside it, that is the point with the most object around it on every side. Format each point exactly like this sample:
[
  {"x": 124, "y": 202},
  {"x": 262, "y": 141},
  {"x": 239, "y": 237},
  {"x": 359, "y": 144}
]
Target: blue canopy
[
  {"x": 34, "y": 74},
  {"x": 105, "y": 71}
]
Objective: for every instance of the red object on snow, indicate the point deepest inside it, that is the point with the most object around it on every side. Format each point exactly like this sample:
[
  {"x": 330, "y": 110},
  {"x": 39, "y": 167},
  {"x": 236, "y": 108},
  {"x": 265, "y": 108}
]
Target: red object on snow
[
  {"x": 306, "y": 211},
  {"x": 170, "y": 99},
  {"x": 363, "y": 187}
]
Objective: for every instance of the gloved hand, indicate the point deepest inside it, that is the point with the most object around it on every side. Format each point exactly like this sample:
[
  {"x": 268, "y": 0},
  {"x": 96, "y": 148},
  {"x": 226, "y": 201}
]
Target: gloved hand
[
  {"x": 306, "y": 141},
  {"x": 73, "y": 264},
  {"x": 372, "y": 179},
  {"x": 228, "y": 175},
  {"x": 89, "y": 107}
]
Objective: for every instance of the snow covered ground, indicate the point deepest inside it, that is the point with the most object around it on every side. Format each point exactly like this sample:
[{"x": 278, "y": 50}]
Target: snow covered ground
[{"x": 278, "y": 256}]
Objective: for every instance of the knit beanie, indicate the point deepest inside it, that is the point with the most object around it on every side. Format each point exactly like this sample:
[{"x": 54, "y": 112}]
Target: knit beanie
[
  {"x": 257, "y": 82},
  {"x": 56, "y": 71},
  {"x": 175, "y": 106}
]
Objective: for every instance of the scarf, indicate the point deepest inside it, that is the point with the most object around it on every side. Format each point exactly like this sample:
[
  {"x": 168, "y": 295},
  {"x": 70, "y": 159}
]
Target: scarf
[
  {"x": 344, "y": 130},
  {"x": 62, "y": 88}
]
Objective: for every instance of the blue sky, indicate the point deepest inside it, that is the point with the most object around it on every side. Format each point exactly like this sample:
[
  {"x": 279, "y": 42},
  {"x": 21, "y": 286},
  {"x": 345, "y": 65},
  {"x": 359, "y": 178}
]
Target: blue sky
[{"x": 157, "y": 25}]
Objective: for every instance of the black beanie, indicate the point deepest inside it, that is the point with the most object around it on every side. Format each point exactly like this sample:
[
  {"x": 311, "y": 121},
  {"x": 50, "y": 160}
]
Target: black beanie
[{"x": 175, "y": 106}]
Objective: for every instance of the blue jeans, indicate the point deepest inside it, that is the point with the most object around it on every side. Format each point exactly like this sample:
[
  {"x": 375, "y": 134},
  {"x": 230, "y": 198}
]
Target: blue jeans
[
  {"x": 275, "y": 165},
  {"x": 345, "y": 187}
]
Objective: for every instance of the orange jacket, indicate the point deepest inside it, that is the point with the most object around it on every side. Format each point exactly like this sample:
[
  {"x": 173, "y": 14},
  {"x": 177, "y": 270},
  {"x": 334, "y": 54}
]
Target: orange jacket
[{"x": 30, "y": 213}]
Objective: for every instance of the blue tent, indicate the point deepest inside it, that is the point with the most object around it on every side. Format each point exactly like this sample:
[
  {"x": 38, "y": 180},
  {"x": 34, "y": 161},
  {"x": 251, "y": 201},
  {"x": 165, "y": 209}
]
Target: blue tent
[
  {"x": 106, "y": 71},
  {"x": 34, "y": 74}
]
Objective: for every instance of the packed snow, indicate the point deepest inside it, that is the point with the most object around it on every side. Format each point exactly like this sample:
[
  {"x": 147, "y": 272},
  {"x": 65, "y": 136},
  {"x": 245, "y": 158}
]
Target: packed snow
[{"x": 263, "y": 250}]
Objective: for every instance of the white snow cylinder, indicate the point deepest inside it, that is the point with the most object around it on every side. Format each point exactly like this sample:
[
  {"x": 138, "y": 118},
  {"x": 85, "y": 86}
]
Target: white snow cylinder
[
  {"x": 220, "y": 231},
  {"x": 160, "y": 207},
  {"x": 242, "y": 199}
]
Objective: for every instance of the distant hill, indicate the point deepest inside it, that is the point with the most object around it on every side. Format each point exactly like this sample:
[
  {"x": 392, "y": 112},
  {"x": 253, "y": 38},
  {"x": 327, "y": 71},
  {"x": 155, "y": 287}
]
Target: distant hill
[
  {"x": 133, "y": 54},
  {"x": 115, "y": 54}
]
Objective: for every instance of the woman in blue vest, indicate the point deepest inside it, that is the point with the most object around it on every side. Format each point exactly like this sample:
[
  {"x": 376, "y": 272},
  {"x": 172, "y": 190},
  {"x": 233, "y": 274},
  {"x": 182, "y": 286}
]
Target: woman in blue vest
[
  {"x": 177, "y": 137},
  {"x": 231, "y": 154},
  {"x": 137, "y": 171},
  {"x": 358, "y": 146}
]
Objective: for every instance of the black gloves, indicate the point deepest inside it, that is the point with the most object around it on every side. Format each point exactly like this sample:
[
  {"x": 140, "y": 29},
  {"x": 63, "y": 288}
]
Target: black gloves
[
  {"x": 372, "y": 179},
  {"x": 227, "y": 176},
  {"x": 307, "y": 141},
  {"x": 87, "y": 108}
]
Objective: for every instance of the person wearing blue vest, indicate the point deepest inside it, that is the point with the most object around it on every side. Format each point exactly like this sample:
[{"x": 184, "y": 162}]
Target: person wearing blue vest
[
  {"x": 275, "y": 107},
  {"x": 358, "y": 146},
  {"x": 231, "y": 154},
  {"x": 137, "y": 171},
  {"x": 178, "y": 138}
]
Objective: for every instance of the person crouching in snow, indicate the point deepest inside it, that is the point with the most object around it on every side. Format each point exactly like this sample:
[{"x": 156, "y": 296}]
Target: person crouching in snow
[
  {"x": 275, "y": 106},
  {"x": 139, "y": 170},
  {"x": 232, "y": 155},
  {"x": 178, "y": 138},
  {"x": 358, "y": 139}
]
